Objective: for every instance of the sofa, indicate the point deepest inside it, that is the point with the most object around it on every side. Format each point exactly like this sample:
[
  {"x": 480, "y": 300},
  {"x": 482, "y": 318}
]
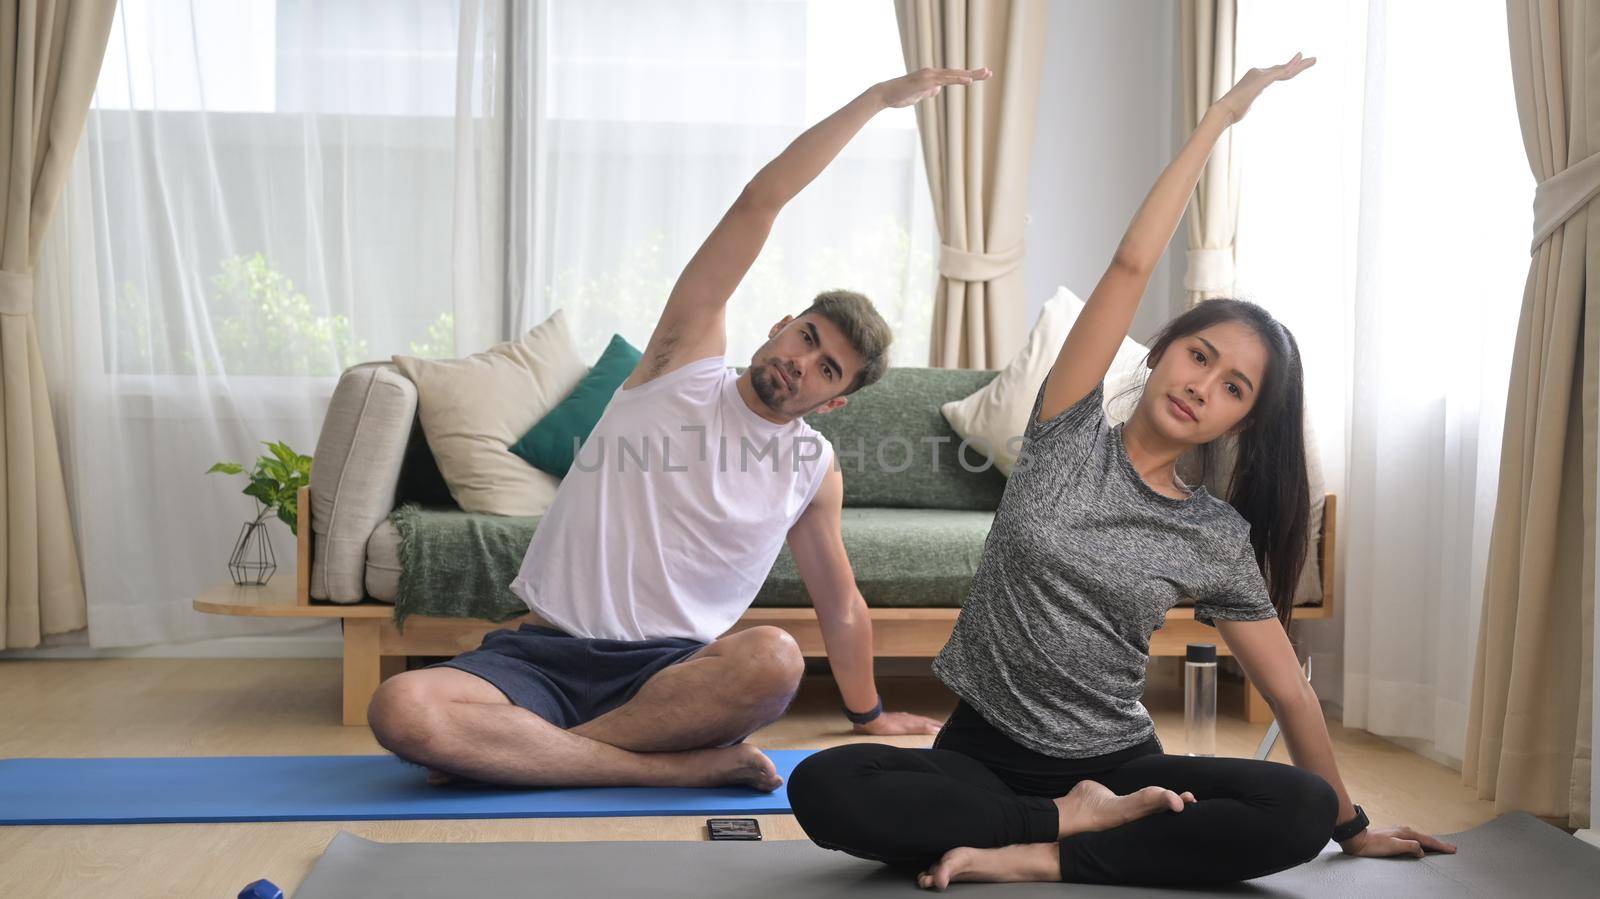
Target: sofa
[{"x": 383, "y": 528}]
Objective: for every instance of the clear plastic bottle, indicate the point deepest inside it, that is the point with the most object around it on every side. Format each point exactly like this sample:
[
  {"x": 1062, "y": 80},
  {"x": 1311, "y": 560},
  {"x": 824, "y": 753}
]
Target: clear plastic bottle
[{"x": 1200, "y": 698}]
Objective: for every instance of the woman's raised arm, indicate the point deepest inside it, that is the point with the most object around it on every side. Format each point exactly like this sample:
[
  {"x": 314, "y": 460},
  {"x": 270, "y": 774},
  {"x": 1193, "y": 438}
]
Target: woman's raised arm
[{"x": 1087, "y": 352}]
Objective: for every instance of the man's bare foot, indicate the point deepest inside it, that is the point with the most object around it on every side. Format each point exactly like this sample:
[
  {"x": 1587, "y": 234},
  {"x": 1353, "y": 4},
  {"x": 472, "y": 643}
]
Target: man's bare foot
[
  {"x": 739, "y": 765},
  {"x": 1090, "y": 807},
  {"x": 439, "y": 778},
  {"x": 1026, "y": 863}
]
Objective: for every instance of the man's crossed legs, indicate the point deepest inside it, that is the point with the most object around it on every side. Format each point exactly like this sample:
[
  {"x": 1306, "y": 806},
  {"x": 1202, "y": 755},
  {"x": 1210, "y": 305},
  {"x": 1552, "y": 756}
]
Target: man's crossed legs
[{"x": 682, "y": 727}]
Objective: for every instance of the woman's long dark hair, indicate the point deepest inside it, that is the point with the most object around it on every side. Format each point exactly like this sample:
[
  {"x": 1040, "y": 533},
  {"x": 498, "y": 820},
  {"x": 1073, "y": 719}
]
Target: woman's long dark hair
[{"x": 1268, "y": 485}]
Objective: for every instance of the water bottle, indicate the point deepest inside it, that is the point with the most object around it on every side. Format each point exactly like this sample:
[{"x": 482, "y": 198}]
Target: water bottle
[{"x": 1200, "y": 698}]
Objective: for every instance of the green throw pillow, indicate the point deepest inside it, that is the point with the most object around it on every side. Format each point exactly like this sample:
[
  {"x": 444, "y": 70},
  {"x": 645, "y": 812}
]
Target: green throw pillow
[{"x": 548, "y": 445}]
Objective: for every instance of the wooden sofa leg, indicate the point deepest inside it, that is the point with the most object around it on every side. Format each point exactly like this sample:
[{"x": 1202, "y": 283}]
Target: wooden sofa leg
[
  {"x": 1256, "y": 710},
  {"x": 363, "y": 668}
]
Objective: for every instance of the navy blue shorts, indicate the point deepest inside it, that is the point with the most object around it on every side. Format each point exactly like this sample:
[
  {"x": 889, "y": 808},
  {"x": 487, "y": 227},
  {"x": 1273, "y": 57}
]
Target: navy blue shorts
[{"x": 568, "y": 680}]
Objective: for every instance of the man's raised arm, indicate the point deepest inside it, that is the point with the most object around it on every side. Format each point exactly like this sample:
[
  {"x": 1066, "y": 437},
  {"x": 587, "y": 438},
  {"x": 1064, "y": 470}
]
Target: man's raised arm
[{"x": 692, "y": 325}]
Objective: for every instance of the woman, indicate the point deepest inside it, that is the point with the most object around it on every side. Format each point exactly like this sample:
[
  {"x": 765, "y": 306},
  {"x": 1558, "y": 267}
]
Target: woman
[{"x": 1049, "y": 768}]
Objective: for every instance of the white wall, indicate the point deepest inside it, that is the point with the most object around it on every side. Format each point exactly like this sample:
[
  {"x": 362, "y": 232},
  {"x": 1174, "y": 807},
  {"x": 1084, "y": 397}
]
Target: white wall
[{"x": 1109, "y": 121}]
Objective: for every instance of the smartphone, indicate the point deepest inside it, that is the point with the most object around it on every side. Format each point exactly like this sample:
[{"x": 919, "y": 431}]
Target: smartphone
[{"x": 734, "y": 828}]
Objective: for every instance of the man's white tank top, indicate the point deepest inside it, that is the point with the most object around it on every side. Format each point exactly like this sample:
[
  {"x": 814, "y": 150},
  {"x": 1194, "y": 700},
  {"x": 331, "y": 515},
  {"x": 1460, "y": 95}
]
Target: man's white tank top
[{"x": 673, "y": 512}]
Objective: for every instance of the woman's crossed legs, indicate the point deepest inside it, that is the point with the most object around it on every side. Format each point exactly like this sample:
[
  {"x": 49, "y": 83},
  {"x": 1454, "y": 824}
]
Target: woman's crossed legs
[{"x": 947, "y": 813}]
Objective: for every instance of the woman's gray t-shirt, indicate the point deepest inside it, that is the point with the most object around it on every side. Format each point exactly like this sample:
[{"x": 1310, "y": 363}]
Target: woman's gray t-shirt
[{"x": 1081, "y": 566}]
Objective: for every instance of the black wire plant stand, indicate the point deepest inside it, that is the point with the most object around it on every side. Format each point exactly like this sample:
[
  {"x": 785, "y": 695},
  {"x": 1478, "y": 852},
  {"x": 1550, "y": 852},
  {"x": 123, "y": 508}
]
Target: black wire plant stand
[{"x": 252, "y": 562}]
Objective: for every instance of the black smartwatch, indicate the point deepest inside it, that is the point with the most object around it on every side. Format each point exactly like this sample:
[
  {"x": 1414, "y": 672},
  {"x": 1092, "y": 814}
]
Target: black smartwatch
[
  {"x": 866, "y": 717},
  {"x": 1350, "y": 828}
]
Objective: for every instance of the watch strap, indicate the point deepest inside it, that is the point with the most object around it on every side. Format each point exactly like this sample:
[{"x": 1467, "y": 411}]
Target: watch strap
[
  {"x": 866, "y": 717},
  {"x": 1350, "y": 828}
]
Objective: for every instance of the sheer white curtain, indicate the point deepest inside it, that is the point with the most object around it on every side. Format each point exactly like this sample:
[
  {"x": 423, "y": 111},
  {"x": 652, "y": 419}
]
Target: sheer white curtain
[
  {"x": 1385, "y": 217},
  {"x": 654, "y": 117},
  {"x": 266, "y": 192},
  {"x": 271, "y": 190}
]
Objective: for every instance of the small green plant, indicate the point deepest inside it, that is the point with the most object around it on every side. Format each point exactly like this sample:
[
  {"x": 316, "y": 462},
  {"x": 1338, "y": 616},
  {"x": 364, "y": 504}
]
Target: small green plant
[
  {"x": 275, "y": 482},
  {"x": 441, "y": 339},
  {"x": 268, "y": 327}
]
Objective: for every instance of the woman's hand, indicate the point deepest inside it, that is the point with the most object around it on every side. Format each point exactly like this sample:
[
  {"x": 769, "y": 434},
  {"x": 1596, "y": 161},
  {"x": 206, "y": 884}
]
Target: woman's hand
[
  {"x": 1383, "y": 842},
  {"x": 1236, "y": 102},
  {"x": 924, "y": 83}
]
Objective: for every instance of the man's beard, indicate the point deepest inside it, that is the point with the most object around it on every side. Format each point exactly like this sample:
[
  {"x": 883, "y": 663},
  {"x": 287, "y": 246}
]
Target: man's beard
[{"x": 768, "y": 386}]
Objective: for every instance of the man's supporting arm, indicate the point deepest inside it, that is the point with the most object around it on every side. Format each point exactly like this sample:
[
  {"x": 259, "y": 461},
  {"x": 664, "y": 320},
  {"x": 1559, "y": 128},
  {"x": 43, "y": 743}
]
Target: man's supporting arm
[{"x": 842, "y": 614}]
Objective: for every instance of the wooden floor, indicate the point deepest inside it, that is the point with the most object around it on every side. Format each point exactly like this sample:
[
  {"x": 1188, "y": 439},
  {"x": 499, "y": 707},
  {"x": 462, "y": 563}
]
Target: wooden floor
[{"x": 134, "y": 707}]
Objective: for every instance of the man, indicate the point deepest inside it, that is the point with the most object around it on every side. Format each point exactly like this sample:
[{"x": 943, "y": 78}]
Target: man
[{"x": 663, "y": 532}]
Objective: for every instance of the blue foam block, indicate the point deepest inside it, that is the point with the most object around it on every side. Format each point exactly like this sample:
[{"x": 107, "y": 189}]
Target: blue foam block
[{"x": 324, "y": 788}]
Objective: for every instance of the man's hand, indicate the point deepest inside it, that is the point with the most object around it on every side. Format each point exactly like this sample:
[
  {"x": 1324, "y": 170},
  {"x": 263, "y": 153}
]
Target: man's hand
[
  {"x": 1384, "y": 842},
  {"x": 924, "y": 83},
  {"x": 898, "y": 724}
]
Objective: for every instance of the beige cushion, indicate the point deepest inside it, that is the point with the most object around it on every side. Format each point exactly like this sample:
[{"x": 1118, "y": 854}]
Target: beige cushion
[
  {"x": 999, "y": 411},
  {"x": 353, "y": 477},
  {"x": 472, "y": 409},
  {"x": 383, "y": 562}
]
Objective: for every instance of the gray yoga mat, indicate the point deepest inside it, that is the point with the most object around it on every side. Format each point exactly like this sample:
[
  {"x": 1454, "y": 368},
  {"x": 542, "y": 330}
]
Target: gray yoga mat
[{"x": 1514, "y": 855}]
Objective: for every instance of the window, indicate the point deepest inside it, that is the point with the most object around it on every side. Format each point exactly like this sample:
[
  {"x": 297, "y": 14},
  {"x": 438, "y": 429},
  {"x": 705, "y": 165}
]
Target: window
[
  {"x": 658, "y": 115},
  {"x": 278, "y": 186}
]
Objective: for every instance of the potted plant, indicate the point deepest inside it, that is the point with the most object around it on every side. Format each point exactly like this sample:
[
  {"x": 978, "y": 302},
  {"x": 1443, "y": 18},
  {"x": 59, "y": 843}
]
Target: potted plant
[{"x": 275, "y": 484}]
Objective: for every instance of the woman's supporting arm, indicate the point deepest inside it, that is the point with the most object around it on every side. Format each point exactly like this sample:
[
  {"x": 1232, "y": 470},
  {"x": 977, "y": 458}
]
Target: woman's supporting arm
[
  {"x": 1092, "y": 343},
  {"x": 1262, "y": 649}
]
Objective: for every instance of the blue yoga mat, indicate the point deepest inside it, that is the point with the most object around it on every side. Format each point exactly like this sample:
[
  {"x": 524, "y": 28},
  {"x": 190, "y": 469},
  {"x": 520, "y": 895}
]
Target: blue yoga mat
[{"x": 325, "y": 788}]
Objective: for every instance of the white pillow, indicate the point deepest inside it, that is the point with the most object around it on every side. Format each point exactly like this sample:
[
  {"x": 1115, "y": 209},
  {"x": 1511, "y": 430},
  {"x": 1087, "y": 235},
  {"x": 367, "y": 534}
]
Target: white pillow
[
  {"x": 472, "y": 409},
  {"x": 999, "y": 410}
]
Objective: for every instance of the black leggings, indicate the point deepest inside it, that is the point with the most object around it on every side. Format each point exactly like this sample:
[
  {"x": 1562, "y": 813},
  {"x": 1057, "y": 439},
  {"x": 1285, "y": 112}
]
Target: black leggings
[{"x": 979, "y": 788}]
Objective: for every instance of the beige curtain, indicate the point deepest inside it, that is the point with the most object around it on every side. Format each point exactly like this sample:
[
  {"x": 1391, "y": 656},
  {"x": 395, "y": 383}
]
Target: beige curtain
[
  {"x": 50, "y": 52},
  {"x": 1206, "y": 36},
  {"x": 1528, "y": 734},
  {"x": 976, "y": 143}
]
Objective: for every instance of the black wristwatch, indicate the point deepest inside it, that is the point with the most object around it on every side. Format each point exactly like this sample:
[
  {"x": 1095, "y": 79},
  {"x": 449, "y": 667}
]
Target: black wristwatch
[
  {"x": 864, "y": 717},
  {"x": 1350, "y": 828}
]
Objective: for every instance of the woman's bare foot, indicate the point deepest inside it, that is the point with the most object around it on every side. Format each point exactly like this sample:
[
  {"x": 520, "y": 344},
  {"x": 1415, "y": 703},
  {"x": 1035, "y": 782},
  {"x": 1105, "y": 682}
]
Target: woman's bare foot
[
  {"x": 437, "y": 778},
  {"x": 1090, "y": 807},
  {"x": 1030, "y": 862}
]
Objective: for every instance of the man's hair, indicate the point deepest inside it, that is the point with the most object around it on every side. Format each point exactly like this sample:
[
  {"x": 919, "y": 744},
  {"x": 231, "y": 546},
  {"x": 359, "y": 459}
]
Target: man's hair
[{"x": 868, "y": 333}]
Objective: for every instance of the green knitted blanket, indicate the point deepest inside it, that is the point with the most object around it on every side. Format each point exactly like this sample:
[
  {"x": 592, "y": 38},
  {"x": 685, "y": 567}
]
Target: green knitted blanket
[{"x": 456, "y": 564}]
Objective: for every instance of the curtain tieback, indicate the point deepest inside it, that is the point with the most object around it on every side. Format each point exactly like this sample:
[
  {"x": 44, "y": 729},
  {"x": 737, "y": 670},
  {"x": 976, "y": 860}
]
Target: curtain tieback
[
  {"x": 1562, "y": 194},
  {"x": 961, "y": 265},
  {"x": 16, "y": 293},
  {"x": 1210, "y": 270}
]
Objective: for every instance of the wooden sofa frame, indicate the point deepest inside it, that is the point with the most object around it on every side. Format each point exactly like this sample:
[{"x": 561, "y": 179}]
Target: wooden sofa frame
[{"x": 374, "y": 648}]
